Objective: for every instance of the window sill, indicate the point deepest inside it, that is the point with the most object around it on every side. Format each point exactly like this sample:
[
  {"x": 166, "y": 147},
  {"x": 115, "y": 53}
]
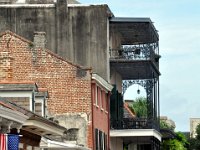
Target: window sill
[{"x": 96, "y": 105}]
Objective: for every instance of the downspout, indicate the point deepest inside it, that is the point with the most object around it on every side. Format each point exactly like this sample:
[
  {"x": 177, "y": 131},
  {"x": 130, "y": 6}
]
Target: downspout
[
  {"x": 92, "y": 102},
  {"x": 33, "y": 101},
  {"x": 109, "y": 93}
]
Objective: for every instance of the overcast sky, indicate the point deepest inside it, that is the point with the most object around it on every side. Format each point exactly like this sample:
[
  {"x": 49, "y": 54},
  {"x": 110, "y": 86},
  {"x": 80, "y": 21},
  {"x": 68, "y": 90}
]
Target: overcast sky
[{"x": 178, "y": 23}]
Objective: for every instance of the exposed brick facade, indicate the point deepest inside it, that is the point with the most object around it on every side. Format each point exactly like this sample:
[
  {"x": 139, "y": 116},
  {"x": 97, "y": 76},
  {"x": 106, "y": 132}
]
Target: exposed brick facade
[
  {"x": 68, "y": 85},
  {"x": 58, "y": 76}
]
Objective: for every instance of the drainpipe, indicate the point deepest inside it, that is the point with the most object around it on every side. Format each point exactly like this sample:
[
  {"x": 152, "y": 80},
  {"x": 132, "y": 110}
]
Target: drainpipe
[
  {"x": 92, "y": 109},
  {"x": 108, "y": 138}
]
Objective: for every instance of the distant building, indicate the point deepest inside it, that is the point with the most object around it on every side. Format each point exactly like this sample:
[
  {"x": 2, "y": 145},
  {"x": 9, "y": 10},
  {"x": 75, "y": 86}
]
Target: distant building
[{"x": 193, "y": 124}]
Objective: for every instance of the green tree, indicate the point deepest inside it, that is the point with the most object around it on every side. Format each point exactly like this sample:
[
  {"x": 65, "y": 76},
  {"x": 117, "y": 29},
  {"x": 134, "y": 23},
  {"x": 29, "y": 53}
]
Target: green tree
[
  {"x": 139, "y": 107},
  {"x": 178, "y": 143},
  {"x": 165, "y": 125}
]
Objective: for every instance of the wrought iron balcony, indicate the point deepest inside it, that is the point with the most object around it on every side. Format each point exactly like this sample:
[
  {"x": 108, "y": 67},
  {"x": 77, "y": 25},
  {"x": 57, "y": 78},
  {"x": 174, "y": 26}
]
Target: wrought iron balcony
[
  {"x": 137, "y": 52},
  {"x": 136, "y": 61},
  {"x": 135, "y": 123}
]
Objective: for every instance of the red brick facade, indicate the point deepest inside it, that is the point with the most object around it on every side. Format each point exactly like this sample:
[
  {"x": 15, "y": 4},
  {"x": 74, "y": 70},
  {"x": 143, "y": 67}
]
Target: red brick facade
[{"x": 100, "y": 99}]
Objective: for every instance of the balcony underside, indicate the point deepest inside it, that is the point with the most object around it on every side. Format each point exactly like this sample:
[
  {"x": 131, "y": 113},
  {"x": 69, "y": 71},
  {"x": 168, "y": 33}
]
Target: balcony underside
[
  {"x": 135, "y": 30},
  {"x": 134, "y": 69},
  {"x": 136, "y": 135}
]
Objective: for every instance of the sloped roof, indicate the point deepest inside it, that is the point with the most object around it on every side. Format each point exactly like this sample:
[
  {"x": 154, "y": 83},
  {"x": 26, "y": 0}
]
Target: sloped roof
[
  {"x": 47, "y": 50},
  {"x": 127, "y": 112},
  {"x": 33, "y": 120},
  {"x": 17, "y": 85}
]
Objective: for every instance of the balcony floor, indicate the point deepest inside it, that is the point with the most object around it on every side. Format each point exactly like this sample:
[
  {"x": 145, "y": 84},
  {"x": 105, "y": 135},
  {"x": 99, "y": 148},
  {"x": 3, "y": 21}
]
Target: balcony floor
[
  {"x": 135, "y": 135},
  {"x": 134, "y": 69}
]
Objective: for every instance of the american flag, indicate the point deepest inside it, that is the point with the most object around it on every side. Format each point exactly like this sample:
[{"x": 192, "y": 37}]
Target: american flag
[{"x": 9, "y": 142}]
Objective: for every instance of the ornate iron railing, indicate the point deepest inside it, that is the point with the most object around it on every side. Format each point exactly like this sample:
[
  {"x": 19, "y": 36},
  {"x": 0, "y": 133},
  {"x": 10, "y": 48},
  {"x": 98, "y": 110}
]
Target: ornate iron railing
[
  {"x": 137, "y": 52},
  {"x": 135, "y": 123}
]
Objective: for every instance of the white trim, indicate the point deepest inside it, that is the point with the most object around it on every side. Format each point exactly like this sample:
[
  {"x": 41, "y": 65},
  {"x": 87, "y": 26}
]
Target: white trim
[
  {"x": 46, "y": 143},
  {"x": 18, "y": 94},
  {"x": 102, "y": 82},
  {"x": 135, "y": 133},
  {"x": 13, "y": 115}
]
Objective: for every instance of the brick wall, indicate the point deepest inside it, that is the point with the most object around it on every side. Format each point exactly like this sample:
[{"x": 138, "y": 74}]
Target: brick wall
[
  {"x": 69, "y": 86},
  {"x": 61, "y": 78},
  {"x": 100, "y": 110}
]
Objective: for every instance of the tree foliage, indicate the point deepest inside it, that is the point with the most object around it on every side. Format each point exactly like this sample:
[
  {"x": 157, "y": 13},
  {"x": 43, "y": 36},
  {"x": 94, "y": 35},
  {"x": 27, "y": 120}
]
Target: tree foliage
[
  {"x": 165, "y": 125},
  {"x": 178, "y": 143},
  {"x": 139, "y": 107}
]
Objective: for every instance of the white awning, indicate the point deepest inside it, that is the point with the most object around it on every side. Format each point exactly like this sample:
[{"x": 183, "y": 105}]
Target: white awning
[
  {"x": 46, "y": 143},
  {"x": 136, "y": 133}
]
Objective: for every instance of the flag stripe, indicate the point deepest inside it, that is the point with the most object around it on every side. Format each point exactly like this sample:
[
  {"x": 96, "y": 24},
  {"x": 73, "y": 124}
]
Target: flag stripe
[{"x": 9, "y": 142}]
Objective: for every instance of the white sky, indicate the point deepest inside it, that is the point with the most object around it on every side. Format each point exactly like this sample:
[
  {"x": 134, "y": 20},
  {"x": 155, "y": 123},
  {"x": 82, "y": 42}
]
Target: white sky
[{"x": 178, "y": 22}]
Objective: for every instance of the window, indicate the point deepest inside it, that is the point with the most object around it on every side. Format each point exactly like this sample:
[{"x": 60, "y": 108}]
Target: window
[
  {"x": 105, "y": 141},
  {"x": 96, "y": 95},
  {"x": 97, "y": 139},
  {"x": 103, "y": 99},
  {"x": 106, "y": 101},
  {"x": 38, "y": 108},
  {"x": 100, "y": 140}
]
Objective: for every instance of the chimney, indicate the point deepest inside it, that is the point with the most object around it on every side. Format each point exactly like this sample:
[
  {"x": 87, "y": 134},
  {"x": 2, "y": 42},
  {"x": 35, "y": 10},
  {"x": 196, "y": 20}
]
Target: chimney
[
  {"x": 40, "y": 39},
  {"x": 39, "y": 46}
]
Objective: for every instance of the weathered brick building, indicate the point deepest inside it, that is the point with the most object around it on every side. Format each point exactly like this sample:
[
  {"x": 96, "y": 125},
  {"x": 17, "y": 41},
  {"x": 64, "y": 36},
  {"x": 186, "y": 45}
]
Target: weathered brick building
[{"x": 71, "y": 88}]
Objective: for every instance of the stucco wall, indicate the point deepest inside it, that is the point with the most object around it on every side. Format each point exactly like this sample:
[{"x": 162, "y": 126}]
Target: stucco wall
[
  {"x": 25, "y": 21},
  {"x": 87, "y": 37},
  {"x": 116, "y": 79}
]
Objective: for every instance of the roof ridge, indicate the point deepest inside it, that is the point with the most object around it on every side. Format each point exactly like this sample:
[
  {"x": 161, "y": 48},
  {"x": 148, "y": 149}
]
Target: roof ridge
[{"x": 46, "y": 49}]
